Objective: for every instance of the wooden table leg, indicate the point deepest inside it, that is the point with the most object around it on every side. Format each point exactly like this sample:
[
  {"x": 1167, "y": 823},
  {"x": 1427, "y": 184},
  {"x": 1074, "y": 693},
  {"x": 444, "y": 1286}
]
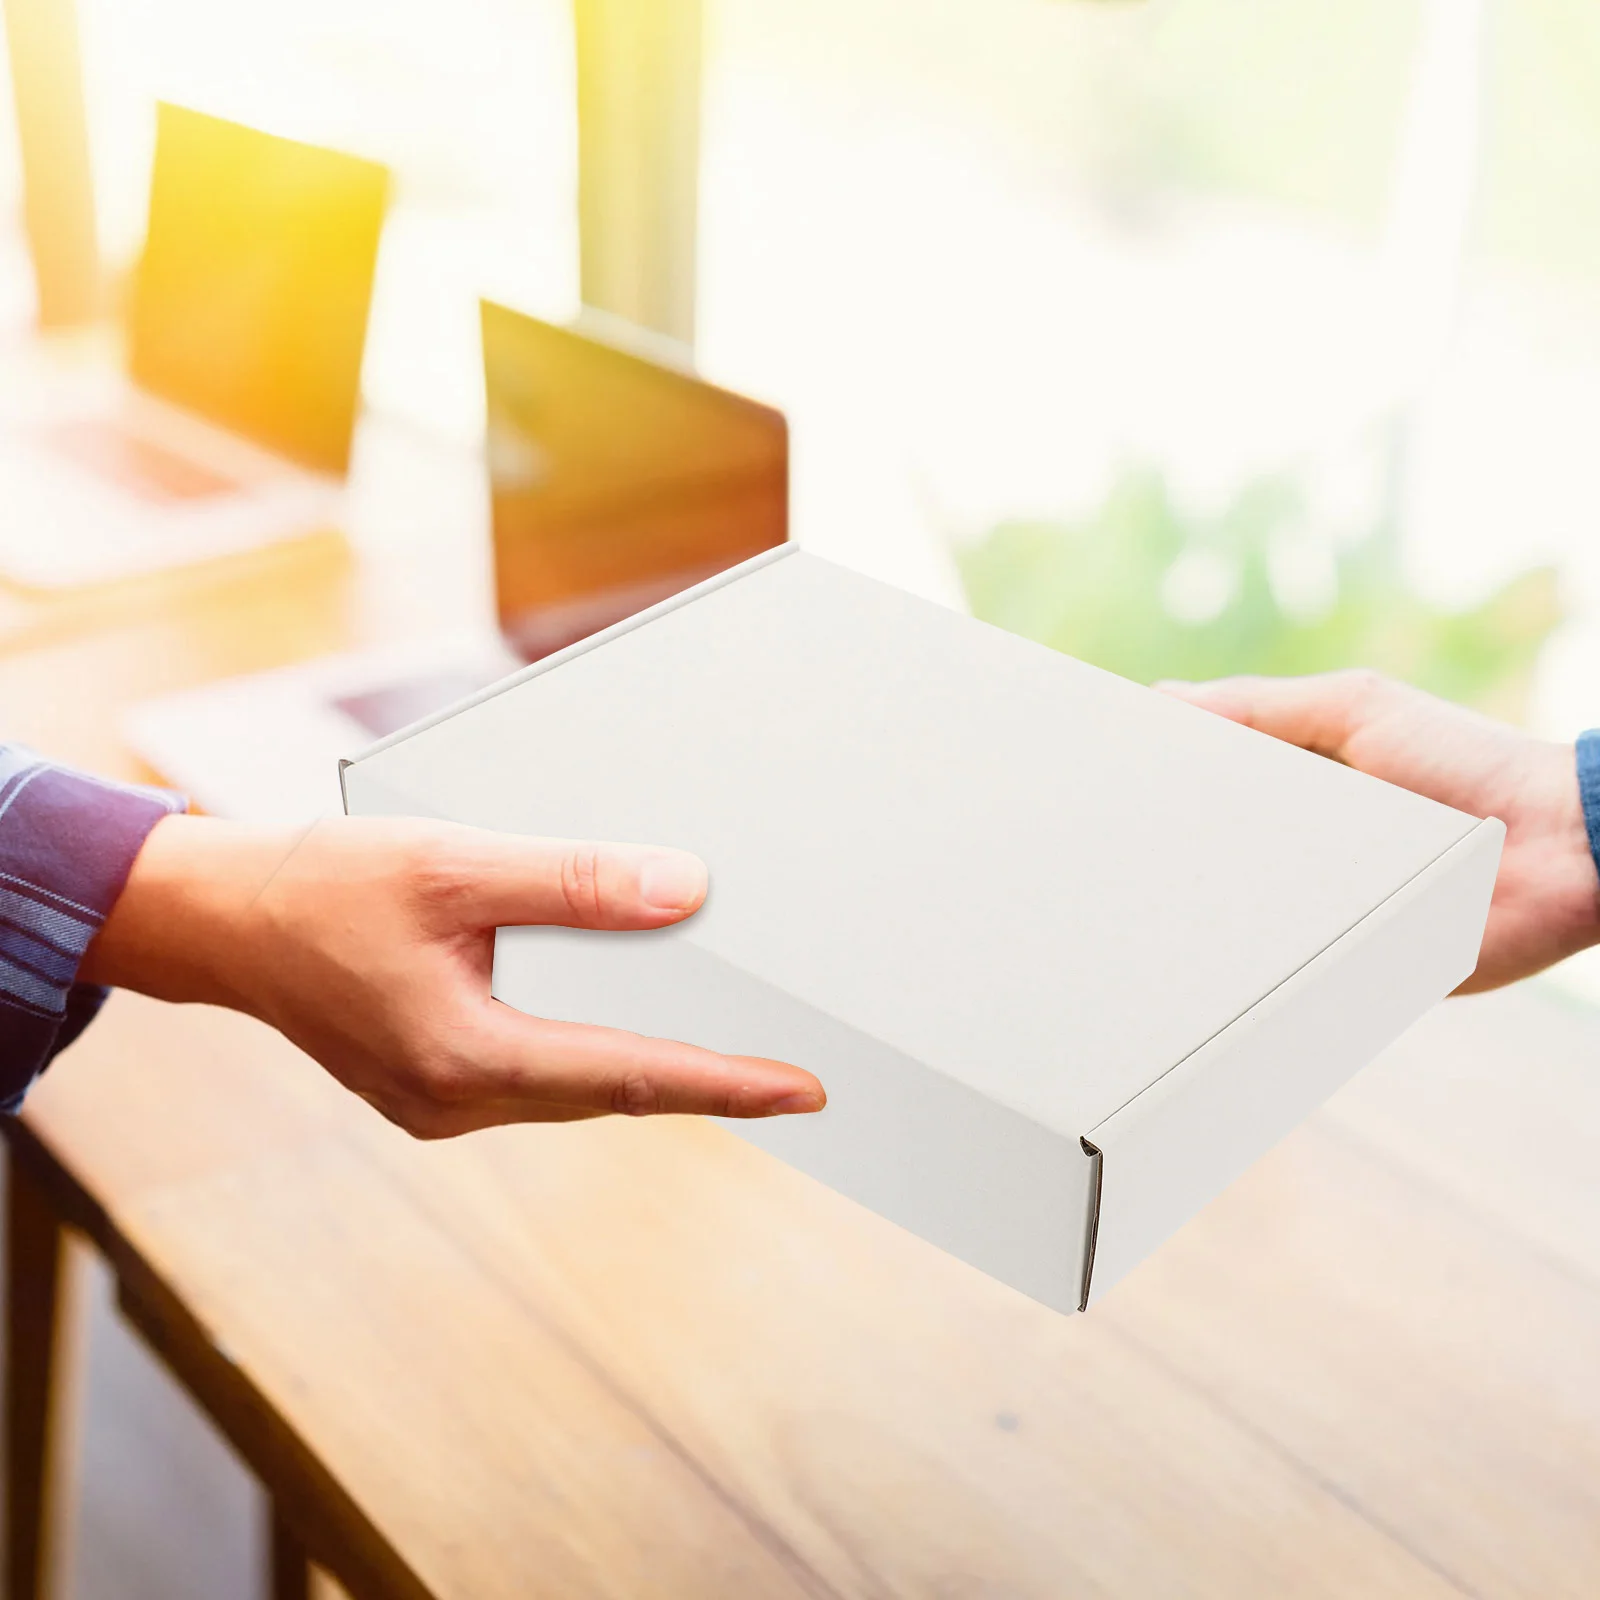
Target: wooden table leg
[
  {"x": 35, "y": 1243},
  {"x": 289, "y": 1569}
]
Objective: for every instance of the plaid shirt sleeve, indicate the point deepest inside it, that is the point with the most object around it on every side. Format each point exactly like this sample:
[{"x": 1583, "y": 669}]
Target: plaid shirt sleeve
[{"x": 67, "y": 842}]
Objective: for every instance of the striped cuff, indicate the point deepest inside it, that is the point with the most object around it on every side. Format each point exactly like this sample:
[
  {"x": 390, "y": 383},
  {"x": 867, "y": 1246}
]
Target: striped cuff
[{"x": 67, "y": 843}]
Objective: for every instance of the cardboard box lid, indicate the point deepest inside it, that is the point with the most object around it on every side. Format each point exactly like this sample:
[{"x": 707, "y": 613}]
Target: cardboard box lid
[{"x": 1043, "y": 881}]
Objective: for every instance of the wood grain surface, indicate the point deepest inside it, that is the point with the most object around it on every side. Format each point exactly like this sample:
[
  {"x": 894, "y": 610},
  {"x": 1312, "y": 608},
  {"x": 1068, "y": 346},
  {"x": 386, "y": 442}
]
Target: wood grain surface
[{"x": 643, "y": 1358}]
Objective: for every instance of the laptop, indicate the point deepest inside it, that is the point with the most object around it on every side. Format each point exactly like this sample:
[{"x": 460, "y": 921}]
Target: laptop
[
  {"x": 230, "y": 424},
  {"x": 617, "y": 478}
]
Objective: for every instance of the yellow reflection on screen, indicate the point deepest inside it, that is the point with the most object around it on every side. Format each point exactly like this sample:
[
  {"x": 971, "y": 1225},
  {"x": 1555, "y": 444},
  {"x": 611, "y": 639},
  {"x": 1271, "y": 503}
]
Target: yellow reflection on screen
[
  {"x": 616, "y": 481},
  {"x": 250, "y": 301}
]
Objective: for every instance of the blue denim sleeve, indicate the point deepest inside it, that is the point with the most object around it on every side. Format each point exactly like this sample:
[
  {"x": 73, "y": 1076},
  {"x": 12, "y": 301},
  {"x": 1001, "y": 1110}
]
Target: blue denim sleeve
[
  {"x": 1589, "y": 788},
  {"x": 67, "y": 843}
]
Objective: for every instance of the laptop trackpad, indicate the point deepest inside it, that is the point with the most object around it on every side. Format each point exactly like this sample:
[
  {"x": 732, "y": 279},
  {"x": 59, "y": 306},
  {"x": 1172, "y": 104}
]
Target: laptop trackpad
[
  {"x": 394, "y": 706},
  {"x": 135, "y": 464}
]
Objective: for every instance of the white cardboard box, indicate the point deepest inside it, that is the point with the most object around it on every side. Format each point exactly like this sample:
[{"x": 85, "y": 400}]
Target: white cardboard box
[{"x": 1068, "y": 954}]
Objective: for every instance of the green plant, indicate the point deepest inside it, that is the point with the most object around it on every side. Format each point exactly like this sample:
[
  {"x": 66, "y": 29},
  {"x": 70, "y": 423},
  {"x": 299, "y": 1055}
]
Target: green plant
[{"x": 1103, "y": 589}]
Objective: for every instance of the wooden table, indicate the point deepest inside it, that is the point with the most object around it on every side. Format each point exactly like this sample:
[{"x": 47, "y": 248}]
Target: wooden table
[{"x": 641, "y": 1359}]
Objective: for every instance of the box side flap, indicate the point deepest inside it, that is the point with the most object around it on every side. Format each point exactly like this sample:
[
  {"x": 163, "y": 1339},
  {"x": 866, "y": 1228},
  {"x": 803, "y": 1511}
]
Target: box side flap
[
  {"x": 1181, "y": 1141},
  {"x": 582, "y": 647},
  {"x": 1091, "y": 1229},
  {"x": 950, "y": 1165}
]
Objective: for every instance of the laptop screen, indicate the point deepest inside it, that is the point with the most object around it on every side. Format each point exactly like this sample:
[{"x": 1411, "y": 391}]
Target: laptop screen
[
  {"x": 616, "y": 481},
  {"x": 250, "y": 302}
]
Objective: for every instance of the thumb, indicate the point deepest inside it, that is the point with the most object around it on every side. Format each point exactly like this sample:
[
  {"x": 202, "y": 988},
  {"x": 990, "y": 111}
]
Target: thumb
[
  {"x": 507, "y": 880},
  {"x": 1319, "y": 713}
]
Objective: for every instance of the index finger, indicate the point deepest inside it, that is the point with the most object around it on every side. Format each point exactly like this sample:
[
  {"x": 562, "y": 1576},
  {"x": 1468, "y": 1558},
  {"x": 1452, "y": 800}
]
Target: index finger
[
  {"x": 1318, "y": 713},
  {"x": 508, "y": 880}
]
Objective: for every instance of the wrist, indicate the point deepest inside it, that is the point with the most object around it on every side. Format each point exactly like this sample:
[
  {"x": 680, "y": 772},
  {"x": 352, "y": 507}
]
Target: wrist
[{"x": 183, "y": 927}]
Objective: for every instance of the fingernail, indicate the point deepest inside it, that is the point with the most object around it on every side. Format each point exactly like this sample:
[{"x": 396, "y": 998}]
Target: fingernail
[
  {"x": 796, "y": 1104},
  {"x": 672, "y": 881}
]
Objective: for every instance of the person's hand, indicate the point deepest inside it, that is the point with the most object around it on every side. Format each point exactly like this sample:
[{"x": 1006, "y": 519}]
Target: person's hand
[
  {"x": 1547, "y": 896},
  {"x": 369, "y": 943}
]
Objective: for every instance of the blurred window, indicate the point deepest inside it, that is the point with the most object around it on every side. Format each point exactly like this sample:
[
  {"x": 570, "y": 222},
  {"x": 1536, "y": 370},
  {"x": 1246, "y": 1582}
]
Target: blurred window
[
  {"x": 1132, "y": 274},
  {"x": 1292, "y": 304},
  {"x": 16, "y": 282}
]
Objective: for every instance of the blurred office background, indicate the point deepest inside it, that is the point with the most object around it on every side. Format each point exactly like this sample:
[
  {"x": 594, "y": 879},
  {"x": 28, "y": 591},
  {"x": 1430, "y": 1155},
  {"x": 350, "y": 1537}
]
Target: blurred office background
[{"x": 1191, "y": 336}]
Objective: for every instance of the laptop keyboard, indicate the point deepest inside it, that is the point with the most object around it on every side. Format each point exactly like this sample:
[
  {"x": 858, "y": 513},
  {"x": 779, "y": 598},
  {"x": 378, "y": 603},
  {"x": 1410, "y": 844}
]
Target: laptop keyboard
[
  {"x": 397, "y": 705},
  {"x": 135, "y": 465}
]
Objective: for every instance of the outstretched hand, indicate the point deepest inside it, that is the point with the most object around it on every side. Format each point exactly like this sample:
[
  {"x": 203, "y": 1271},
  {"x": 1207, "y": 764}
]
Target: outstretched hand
[
  {"x": 1547, "y": 895},
  {"x": 370, "y": 944}
]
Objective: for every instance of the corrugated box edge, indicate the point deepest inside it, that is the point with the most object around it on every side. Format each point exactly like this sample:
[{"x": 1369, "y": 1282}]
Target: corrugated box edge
[
  {"x": 559, "y": 658},
  {"x": 1181, "y": 1141}
]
